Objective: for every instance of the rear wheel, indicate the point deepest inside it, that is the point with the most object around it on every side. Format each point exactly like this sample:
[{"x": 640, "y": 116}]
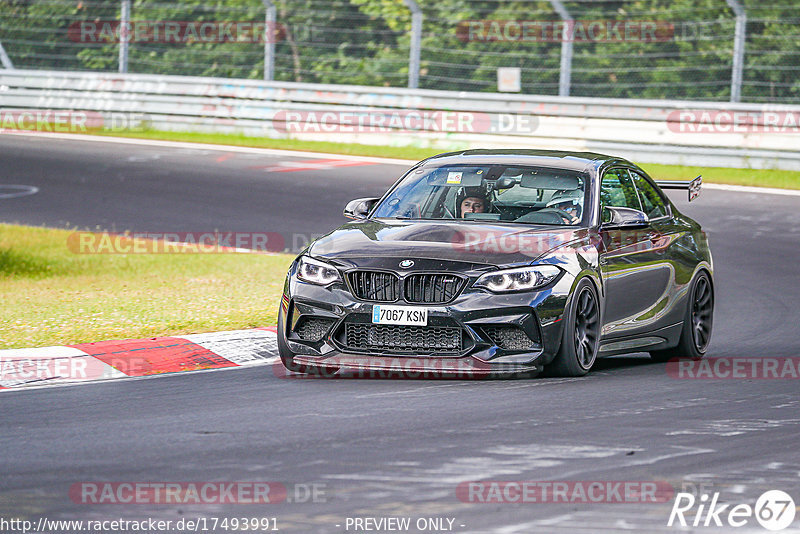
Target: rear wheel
[
  {"x": 581, "y": 337},
  {"x": 697, "y": 323}
]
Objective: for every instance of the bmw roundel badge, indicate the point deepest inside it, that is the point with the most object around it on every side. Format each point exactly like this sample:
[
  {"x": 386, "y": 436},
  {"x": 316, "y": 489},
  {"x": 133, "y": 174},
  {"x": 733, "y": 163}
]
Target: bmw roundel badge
[{"x": 405, "y": 264}]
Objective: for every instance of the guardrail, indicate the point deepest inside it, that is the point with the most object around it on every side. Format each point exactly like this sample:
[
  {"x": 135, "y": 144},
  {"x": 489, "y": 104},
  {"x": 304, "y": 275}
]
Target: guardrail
[{"x": 651, "y": 131}]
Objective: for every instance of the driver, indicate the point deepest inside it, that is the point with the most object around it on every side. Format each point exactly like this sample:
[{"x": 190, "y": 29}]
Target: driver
[
  {"x": 470, "y": 200},
  {"x": 569, "y": 202}
]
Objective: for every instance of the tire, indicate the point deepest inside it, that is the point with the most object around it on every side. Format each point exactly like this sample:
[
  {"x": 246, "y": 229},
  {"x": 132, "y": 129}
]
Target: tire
[
  {"x": 697, "y": 323},
  {"x": 580, "y": 340}
]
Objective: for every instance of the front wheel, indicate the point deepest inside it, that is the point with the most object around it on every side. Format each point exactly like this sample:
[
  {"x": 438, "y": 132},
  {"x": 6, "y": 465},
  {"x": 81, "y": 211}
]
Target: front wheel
[
  {"x": 696, "y": 331},
  {"x": 581, "y": 337}
]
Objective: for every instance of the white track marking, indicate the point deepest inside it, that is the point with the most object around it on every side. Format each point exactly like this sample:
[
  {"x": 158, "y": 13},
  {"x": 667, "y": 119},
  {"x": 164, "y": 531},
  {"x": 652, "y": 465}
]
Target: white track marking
[
  {"x": 734, "y": 427},
  {"x": 16, "y": 191},
  {"x": 490, "y": 464},
  {"x": 682, "y": 451}
]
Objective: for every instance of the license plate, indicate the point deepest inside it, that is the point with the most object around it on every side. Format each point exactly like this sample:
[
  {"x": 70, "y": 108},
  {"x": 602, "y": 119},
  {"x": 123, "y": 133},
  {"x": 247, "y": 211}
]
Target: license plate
[{"x": 399, "y": 315}]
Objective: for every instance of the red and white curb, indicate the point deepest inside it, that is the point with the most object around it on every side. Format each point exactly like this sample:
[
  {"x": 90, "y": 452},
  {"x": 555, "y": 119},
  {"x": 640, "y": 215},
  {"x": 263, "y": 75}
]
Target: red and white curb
[{"x": 111, "y": 360}]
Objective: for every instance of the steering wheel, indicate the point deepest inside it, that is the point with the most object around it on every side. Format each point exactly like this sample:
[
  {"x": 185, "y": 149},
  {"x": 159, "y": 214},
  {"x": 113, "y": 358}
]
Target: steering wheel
[{"x": 561, "y": 213}]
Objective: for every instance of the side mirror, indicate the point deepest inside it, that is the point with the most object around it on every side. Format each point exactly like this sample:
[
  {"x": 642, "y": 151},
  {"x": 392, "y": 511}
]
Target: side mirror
[
  {"x": 623, "y": 218},
  {"x": 359, "y": 208}
]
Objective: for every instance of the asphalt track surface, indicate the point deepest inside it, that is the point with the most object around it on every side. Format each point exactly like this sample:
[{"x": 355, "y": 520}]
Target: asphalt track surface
[{"x": 395, "y": 448}]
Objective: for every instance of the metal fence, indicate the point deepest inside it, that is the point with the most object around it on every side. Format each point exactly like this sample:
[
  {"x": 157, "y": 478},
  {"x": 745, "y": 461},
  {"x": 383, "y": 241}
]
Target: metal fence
[{"x": 718, "y": 50}]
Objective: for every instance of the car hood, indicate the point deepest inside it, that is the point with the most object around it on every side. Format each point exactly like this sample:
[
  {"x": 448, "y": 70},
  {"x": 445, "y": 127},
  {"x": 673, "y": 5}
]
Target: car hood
[{"x": 476, "y": 243}]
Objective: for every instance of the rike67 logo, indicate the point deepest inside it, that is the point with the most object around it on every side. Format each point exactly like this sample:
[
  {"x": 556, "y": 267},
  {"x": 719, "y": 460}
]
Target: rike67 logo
[{"x": 774, "y": 510}]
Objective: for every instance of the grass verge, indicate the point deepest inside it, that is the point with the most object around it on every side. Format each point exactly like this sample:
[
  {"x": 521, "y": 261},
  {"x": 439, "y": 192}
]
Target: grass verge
[
  {"x": 52, "y": 296},
  {"x": 325, "y": 147},
  {"x": 720, "y": 175}
]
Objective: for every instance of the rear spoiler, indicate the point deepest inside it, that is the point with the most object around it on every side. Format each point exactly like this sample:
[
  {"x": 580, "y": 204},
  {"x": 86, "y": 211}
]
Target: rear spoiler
[{"x": 693, "y": 186}]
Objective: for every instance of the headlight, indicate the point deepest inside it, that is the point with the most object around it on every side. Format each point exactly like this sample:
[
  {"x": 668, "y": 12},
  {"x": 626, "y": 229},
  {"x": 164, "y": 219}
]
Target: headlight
[
  {"x": 316, "y": 272},
  {"x": 521, "y": 279}
]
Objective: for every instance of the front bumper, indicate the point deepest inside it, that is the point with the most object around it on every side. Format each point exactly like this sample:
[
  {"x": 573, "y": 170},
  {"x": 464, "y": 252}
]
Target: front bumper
[{"x": 492, "y": 328}]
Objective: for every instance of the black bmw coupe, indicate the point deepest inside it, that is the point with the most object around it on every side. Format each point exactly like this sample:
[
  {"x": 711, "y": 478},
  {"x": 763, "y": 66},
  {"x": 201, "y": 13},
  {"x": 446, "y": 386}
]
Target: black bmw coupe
[{"x": 491, "y": 262}]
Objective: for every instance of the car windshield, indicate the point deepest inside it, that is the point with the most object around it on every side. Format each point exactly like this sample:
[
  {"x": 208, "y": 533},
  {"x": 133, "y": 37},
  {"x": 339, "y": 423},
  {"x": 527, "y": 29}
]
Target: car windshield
[{"x": 533, "y": 195}]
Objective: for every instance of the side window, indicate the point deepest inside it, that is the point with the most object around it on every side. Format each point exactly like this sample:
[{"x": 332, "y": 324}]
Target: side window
[
  {"x": 617, "y": 190},
  {"x": 652, "y": 203}
]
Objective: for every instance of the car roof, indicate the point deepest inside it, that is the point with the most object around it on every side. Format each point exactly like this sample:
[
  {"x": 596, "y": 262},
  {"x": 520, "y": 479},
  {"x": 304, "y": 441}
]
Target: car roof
[{"x": 576, "y": 161}]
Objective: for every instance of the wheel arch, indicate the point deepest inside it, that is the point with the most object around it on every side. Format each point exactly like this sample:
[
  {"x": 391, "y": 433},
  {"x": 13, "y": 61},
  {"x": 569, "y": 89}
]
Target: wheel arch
[{"x": 596, "y": 282}]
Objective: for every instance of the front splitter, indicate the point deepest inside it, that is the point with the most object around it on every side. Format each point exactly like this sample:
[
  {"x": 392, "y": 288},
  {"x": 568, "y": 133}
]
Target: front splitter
[{"x": 411, "y": 366}]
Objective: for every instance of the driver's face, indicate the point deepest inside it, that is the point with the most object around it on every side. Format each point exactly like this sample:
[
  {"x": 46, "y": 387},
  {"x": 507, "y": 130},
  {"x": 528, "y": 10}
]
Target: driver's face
[{"x": 472, "y": 205}]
